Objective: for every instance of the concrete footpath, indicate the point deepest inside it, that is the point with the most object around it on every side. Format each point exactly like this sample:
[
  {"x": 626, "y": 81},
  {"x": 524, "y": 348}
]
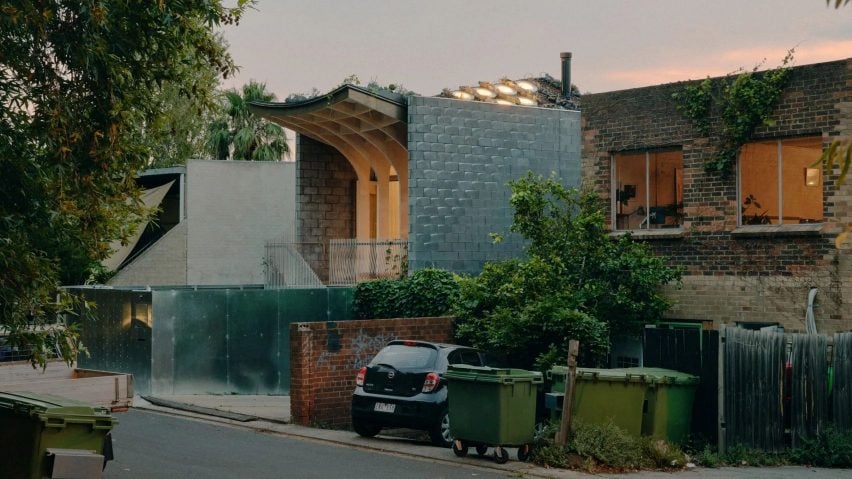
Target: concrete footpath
[{"x": 271, "y": 414}]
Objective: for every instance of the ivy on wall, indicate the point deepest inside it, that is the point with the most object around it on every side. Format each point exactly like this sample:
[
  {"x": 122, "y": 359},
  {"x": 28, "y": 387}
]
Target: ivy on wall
[{"x": 730, "y": 108}]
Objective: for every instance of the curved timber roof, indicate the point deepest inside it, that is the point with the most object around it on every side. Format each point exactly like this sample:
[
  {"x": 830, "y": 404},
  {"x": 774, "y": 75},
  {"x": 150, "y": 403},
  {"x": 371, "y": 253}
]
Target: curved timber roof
[{"x": 368, "y": 127}]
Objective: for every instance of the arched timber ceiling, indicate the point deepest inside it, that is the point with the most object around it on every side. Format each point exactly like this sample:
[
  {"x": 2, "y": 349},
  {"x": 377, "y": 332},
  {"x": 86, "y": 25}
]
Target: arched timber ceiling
[{"x": 369, "y": 128}]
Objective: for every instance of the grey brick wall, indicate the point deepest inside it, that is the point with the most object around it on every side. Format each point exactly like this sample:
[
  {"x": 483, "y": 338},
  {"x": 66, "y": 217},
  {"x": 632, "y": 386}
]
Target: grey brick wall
[
  {"x": 164, "y": 263},
  {"x": 461, "y": 155},
  {"x": 233, "y": 209},
  {"x": 325, "y": 208}
]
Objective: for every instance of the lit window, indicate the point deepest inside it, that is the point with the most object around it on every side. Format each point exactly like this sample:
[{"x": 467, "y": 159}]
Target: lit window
[
  {"x": 648, "y": 190},
  {"x": 778, "y": 184}
]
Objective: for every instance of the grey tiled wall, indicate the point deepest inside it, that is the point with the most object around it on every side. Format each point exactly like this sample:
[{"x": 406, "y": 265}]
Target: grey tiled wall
[{"x": 461, "y": 155}]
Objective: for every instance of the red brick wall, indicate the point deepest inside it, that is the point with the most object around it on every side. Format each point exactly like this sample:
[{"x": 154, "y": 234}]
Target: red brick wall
[
  {"x": 325, "y": 357},
  {"x": 731, "y": 278}
]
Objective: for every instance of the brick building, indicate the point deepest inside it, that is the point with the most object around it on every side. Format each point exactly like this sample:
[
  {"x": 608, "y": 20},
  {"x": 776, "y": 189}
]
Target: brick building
[
  {"x": 755, "y": 242},
  {"x": 432, "y": 171}
]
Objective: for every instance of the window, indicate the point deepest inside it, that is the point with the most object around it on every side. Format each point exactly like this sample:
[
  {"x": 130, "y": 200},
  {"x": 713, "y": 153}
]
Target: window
[
  {"x": 777, "y": 183},
  {"x": 648, "y": 190}
]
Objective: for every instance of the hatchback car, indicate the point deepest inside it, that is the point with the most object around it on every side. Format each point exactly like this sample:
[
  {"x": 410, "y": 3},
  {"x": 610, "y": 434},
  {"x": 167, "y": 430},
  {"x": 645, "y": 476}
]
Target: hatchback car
[{"x": 404, "y": 386}]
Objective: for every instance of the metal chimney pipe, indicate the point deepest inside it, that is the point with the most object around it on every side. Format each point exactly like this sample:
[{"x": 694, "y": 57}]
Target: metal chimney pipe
[{"x": 566, "y": 74}]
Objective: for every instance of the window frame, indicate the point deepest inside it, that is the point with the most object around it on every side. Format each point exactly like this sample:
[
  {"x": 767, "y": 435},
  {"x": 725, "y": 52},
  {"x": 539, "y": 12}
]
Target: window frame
[
  {"x": 647, "y": 200},
  {"x": 779, "y": 183}
]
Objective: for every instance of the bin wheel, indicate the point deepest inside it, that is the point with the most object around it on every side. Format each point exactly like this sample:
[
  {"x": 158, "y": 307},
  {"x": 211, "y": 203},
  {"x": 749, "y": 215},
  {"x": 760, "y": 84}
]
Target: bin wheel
[
  {"x": 524, "y": 452},
  {"x": 500, "y": 455},
  {"x": 459, "y": 448},
  {"x": 481, "y": 450}
]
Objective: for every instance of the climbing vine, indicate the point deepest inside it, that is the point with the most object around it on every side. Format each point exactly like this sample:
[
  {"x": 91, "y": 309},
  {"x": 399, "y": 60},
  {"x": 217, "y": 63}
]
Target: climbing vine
[{"x": 731, "y": 108}]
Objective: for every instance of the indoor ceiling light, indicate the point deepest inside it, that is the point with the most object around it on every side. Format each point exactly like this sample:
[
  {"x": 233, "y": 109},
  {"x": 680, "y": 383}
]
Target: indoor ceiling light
[{"x": 812, "y": 176}]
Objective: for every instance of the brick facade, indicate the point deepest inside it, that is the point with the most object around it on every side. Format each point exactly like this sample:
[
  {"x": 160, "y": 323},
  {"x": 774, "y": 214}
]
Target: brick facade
[
  {"x": 731, "y": 277},
  {"x": 325, "y": 205},
  {"x": 325, "y": 357},
  {"x": 461, "y": 156}
]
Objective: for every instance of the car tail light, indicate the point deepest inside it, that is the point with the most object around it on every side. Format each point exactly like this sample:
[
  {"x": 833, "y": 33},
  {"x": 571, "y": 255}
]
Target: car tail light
[
  {"x": 409, "y": 343},
  {"x": 431, "y": 382},
  {"x": 359, "y": 379}
]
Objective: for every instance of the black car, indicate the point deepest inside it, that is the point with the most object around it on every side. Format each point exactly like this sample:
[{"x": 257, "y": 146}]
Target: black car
[{"x": 404, "y": 386}]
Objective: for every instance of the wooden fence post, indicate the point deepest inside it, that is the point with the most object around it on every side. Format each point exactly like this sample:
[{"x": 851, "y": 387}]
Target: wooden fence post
[{"x": 568, "y": 399}]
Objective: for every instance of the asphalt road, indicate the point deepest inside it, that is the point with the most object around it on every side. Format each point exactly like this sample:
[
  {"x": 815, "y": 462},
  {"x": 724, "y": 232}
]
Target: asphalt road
[{"x": 151, "y": 445}]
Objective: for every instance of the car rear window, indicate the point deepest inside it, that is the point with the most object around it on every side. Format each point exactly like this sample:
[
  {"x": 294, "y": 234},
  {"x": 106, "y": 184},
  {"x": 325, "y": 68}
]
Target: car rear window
[{"x": 401, "y": 356}]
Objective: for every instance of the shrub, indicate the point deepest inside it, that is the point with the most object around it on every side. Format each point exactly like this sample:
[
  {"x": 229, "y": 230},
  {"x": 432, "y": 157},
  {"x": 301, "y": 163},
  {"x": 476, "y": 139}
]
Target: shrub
[
  {"x": 427, "y": 292},
  {"x": 606, "y": 446},
  {"x": 576, "y": 283},
  {"x": 829, "y": 448}
]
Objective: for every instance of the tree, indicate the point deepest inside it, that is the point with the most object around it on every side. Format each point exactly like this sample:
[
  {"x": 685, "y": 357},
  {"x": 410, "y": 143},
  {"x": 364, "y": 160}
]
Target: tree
[
  {"x": 241, "y": 135},
  {"x": 577, "y": 282},
  {"x": 180, "y": 131},
  {"x": 76, "y": 83}
]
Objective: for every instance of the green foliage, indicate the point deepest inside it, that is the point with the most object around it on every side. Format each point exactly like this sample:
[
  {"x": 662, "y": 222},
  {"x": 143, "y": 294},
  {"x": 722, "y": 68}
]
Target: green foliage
[
  {"x": 731, "y": 108},
  {"x": 241, "y": 135},
  {"x": 179, "y": 132},
  {"x": 594, "y": 447},
  {"x": 740, "y": 455},
  {"x": 577, "y": 283},
  {"x": 707, "y": 457},
  {"x": 76, "y": 86},
  {"x": 380, "y": 298},
  {"x": 830, "y": 448},
  {"x": 607, "y": 444},
  {"x": 428, "y": 292}
]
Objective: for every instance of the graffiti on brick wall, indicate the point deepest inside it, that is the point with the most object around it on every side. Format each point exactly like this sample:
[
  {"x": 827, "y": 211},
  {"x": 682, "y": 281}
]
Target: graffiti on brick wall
[
  {"x": 365, "y": 346},
  {"x": 362, "y": 348}
]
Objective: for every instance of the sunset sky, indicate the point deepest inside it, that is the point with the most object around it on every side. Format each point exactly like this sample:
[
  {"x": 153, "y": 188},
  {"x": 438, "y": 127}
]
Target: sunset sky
[{"x": 297, "y": 45}]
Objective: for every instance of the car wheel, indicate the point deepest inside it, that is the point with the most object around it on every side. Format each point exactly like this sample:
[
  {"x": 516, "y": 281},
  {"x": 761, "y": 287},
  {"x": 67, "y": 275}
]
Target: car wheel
[
  {"x": 440, "y": 433},
  {"x": 364, "y": 428}
]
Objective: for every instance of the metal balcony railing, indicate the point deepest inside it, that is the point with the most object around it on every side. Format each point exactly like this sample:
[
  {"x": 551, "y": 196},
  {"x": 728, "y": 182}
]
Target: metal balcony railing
[{"x": 352, "y": 261}]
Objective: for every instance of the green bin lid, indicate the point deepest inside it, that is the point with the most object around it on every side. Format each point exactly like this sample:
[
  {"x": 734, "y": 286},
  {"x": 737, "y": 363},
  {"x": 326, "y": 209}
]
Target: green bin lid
[
  {"x": 55, "y": 410},
  {"x": 465, "y": 372},
  {"x": 644, "y": 375},
  {"x": 557, "y": 372},
  {"x": 665, "y": 376}
]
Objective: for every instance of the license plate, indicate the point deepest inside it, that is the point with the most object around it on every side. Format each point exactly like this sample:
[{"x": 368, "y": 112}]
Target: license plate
[{"x": 384, "y": 407}]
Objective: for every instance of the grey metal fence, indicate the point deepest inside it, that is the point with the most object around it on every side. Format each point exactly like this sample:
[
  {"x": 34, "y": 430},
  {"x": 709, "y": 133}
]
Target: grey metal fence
[
  {"x": 287, "y": 267},
  {"x": 352, "y": 261}
]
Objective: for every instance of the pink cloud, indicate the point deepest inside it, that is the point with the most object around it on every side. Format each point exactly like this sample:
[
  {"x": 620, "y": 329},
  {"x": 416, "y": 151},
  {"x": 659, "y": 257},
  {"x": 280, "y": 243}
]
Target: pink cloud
[{"x": 726, "y": 62}]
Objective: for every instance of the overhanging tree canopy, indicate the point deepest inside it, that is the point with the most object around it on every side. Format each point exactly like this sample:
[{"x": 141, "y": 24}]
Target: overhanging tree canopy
[{"x": 76, "y": 79}]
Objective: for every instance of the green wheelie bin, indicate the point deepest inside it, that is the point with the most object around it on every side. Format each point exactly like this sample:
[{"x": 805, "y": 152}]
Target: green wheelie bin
[
  {"x": 616, "y": 395},
  {"x": 492, "y": 407},
  {"x": 48, "y": 436},
  {"x": 669, "y": 397},
  {"x": 642, "y": 401}
]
